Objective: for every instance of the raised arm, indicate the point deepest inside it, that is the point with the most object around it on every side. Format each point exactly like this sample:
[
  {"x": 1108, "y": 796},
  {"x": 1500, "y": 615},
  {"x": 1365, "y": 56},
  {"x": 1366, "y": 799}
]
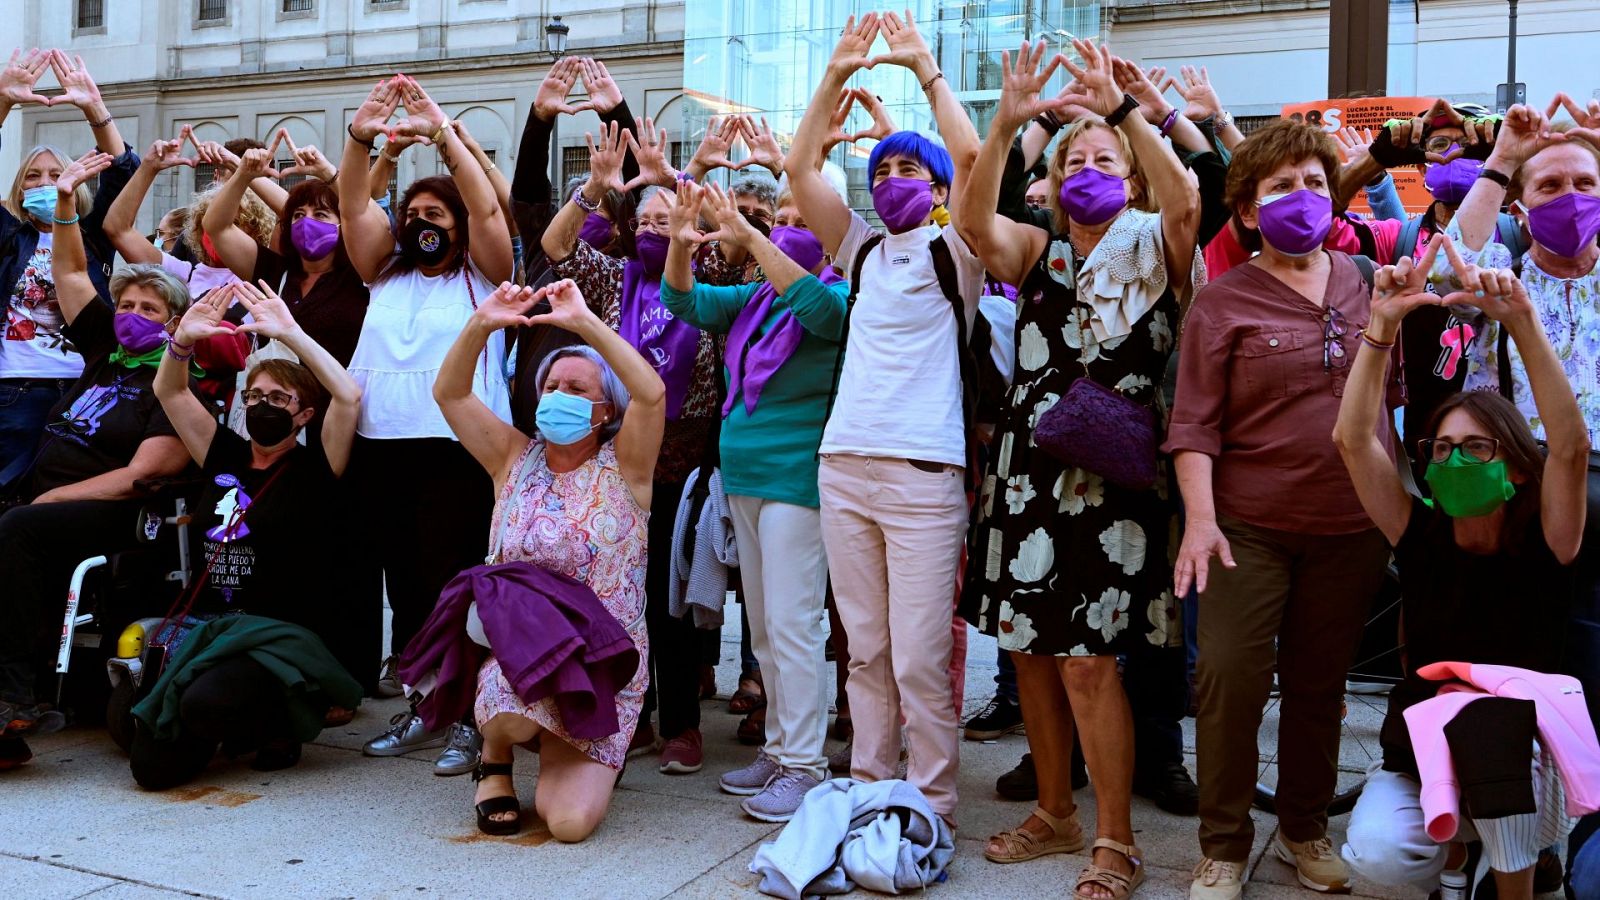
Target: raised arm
[
  {"x": 363, "y": 226},
  {"x": 19, "y": 78},
  {"x": 1203, "y": 103},
  {"x": 1144, "y": 87},
  {"x": 605, "y": 174},
  {"x": 715, "y": 148},
  {"x": 1524, "y": 133},
  {"x": 119, "y": 225},
  {"x": 196, "y": 426},
  {"x": 236, "y": 249},
  {"x": 271, "y": 319},
  {"x": 908, "y": 49},
  {"x": 764, "y": 148},
  {"x": 1007, "y": 248},
  {"x": 69, "y": 264},
  {"x": 81, "y": 91},
  {"x": 219, "y": 156},
  {"x": 824, "y": 212},
  {"x": 1398, "y": 289},
  {"x": 686, "y": 238},
  {"x": 497, "y": 178}
]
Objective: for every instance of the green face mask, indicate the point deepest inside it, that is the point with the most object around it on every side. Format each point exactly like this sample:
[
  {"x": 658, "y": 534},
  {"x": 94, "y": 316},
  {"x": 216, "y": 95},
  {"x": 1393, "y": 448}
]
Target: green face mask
[{"x": 1465, "y": 488}]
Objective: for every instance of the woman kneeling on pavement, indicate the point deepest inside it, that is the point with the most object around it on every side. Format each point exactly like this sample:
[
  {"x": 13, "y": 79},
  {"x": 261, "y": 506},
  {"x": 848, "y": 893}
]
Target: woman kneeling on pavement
[
  {"x": 255, "y": 676},
  {"x": 1504, "y": 526},
  {"x": 575, "y": 500}
]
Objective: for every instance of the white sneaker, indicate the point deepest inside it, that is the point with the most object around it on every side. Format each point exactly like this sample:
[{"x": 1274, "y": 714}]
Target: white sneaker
[{"x": 1217, "y": 880}]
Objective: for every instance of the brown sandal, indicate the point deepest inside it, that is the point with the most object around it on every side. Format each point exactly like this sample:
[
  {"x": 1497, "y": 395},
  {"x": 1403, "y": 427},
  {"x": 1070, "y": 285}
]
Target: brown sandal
[
  {"x": 750, "y": 697},
  {"x": 1021, "y": 845},
  {"x": 1121, "y": 886}
]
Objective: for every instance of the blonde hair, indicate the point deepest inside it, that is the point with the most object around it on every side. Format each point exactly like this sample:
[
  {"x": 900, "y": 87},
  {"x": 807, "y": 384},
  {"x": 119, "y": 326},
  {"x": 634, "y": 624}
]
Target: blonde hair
[
  {"x": 255, "y": 218},
  {"x": 81, "y": 196},
  {"x": 1139, "y": 196}
]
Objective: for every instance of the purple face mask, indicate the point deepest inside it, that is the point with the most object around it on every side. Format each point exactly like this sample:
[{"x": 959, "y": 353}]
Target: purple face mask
[
  {"x": 1449, "y": 182},
  {"x": 652, "y": 250},
  {"x": 799, "y": 244},
  {"x": 136, "y": 334},
  {"x": 314, "y": 239},
  {"x": 1091, "y": 197},
  {"x": 596, "y": 231},
  {"x": 1567, "y": 225},
  {"x": 902, "y": 203},
  {"x": 1295, "y": 224}
]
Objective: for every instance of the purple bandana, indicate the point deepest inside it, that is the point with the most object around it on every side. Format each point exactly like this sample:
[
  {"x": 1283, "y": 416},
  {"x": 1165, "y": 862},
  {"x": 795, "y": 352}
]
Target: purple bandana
[
  {"x": 751, "y": 364},
  {"x": 667, "y": 343}
]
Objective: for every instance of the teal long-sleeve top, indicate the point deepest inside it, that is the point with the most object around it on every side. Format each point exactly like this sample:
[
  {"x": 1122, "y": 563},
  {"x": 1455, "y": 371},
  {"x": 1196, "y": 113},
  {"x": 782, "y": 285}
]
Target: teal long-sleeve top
[{"x": 772, "y": 453}]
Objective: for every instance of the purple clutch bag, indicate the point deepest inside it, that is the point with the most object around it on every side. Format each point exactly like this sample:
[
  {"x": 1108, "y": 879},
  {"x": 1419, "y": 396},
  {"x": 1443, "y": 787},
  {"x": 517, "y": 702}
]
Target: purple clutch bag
[{"x": 1099, "y": 430}]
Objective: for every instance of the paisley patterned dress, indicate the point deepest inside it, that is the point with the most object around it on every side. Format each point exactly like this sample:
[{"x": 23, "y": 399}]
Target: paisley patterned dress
[
  {"x": 1070, "y": 564},
  {"x": 584, "y": 524}
]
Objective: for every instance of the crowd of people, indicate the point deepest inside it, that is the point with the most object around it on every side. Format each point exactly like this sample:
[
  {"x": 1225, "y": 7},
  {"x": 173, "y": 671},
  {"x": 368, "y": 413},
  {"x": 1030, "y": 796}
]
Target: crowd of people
[{"x": 1129, "y": 390}]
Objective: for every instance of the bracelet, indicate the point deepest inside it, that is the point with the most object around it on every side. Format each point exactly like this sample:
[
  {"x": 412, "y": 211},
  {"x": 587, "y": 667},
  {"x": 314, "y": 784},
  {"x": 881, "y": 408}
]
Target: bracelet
[
  {"x": 1376, "y": 344},
  {"x": 926, "y": 85},
  {"x": 583, "y": 203},
  {"x": 103, "y": 122},
  {"x": 1499, "y": 178},
  {"x": 393, "y": 160},
  {"x": 332, "y": 178},
  {"x": 1172, "y": 119},
  {"x": 1120, "y": 113},
  {"x": 60, "y": 221},
  {"x": 1048, "y": 121},
  {"x": 489, "y": 168},
  {"x": 438, "y": 136},
  {"x": 351, "y": 130},
  {"x": 180, "y": 357}
]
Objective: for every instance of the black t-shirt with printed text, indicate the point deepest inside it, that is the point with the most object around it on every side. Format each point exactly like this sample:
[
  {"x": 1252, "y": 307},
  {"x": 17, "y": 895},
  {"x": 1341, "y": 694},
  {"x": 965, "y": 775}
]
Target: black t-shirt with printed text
[
  {"x": 262, "y": 532},
  {"x": 98, "y": 426}
]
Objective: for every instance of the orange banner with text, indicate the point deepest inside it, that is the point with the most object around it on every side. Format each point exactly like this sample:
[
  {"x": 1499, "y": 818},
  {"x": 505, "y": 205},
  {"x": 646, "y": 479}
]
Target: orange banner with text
[{"x": 1370, "y": 112}]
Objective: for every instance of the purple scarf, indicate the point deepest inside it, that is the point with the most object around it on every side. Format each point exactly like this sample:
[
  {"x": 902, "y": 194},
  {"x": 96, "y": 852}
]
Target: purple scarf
[
  {"x": 751, "y": 364},
  {"x": 667, "y": 343}
]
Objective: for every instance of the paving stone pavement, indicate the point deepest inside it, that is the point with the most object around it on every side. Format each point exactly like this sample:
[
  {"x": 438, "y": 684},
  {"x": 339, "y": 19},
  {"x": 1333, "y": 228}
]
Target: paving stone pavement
[{"x": 341, "y": 825}]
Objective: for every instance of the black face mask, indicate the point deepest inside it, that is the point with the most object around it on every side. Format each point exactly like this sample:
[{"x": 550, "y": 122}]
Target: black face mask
[
  {"x": 758, "y": 224},
  {"x": 268, "y": 425},
  {"x": 424, "y": 243}
]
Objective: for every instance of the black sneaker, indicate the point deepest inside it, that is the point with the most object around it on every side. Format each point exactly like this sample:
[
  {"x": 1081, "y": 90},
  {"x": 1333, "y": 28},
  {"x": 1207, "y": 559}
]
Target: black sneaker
[
  {"x": 1020, "y": 784},
  {"x": 1001, "y": 717},
  {"x": 1171, "y": 789}
]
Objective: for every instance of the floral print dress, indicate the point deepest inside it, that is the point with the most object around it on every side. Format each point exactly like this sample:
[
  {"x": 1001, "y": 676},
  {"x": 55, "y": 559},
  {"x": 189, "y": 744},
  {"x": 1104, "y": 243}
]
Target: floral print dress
[
  {"x": 1070, "y": 564},
  {"x": 584, "y": 524}
]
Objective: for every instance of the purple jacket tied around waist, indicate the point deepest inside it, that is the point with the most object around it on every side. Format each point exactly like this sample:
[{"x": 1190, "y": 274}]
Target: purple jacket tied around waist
[{"x": 551, "y": 634}]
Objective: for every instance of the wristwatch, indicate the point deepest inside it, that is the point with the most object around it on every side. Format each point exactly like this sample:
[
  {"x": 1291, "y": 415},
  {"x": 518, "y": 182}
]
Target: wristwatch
[{"x": 1226, "y": 119}]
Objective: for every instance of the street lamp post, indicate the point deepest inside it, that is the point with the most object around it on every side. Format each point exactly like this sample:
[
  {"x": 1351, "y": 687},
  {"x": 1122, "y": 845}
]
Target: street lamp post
[{"x": 555, "y": 42}]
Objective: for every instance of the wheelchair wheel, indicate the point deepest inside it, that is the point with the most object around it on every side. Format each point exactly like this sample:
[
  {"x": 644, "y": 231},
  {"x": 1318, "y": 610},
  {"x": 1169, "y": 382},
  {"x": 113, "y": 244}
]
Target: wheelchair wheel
[{"x": 119, "y": 713}]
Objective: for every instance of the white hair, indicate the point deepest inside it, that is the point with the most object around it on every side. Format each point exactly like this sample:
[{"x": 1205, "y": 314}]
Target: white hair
[
  {"x": 611, "y": 387},
  {"x": 832, "y": 174}
]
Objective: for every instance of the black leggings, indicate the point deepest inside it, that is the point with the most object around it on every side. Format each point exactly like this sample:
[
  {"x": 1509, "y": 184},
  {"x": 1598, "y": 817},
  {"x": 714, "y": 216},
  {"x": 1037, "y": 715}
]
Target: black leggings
[
  {"x": 675, "y": 644},
  {"x": 237, "y": 703}
]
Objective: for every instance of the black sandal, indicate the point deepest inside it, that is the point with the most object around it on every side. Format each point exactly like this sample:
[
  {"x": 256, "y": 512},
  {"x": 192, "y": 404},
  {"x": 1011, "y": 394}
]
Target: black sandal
[{"x": 495, "y": 806}]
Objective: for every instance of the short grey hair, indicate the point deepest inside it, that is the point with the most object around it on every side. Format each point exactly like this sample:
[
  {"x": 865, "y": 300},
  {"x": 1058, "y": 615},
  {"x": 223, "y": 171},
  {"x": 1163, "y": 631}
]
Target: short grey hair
[
  {"x": 763, "y": 189},
  {"x": 152, "y": 276},
  {"x": 611, "y": 386},
  {"x": 649, "y": 193}
]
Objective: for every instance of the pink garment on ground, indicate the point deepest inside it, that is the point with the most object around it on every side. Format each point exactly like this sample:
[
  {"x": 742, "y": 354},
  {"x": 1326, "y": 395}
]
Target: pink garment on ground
[{"x": 1565, "y": 730}]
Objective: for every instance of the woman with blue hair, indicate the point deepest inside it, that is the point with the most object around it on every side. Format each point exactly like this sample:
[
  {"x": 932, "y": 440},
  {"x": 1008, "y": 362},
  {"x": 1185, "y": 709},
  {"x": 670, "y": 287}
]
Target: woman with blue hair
[{"x": 894, "y": 450}]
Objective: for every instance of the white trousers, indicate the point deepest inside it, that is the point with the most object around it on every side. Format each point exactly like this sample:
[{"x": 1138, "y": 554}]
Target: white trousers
[
  {"x": 785, "y": 574},
  {"x": 1388, "y": 844}
]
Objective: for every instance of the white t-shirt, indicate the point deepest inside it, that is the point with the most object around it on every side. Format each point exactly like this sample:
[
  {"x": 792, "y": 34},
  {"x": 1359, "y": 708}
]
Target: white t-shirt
[
  {"x": 198, "y": 276},
  {"x": 900, "y": 388},
  {"x": 412, "y": 319},
  {"x": 34, "y": 346}
]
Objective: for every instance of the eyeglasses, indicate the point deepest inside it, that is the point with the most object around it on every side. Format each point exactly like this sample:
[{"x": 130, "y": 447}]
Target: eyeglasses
[
  {"x": 1333, "y": 330},
  {"x": 757, "y": 214},
  {"x": 251, "y": 397},
  {"x": 660, "y": 226},
  {"x": 1034, "y": 203},
  {"x": 1438, "y": 143},
  {"x": 1476, "y": 450}
]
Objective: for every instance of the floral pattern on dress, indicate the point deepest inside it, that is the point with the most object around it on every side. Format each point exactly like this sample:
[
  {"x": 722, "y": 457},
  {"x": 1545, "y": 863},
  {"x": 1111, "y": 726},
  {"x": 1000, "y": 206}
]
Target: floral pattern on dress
[
  {"x": 584, "y": 524},
  {"x": 1072, "y": 565}
]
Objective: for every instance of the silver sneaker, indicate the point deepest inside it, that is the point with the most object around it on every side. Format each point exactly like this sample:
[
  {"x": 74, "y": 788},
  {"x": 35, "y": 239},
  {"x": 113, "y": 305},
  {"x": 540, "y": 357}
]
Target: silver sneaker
[
  {"x": 389, "y": 682},
  {"x": 461, "y": 751},
  {"x": 407, "y": 733},
  {"x": 781, "y": 798},
  {"x": 752, "y": 779}
]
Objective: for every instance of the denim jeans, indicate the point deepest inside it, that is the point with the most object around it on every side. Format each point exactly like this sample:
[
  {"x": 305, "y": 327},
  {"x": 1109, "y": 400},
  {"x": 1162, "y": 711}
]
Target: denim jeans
[{"x": 25, "y": 404}]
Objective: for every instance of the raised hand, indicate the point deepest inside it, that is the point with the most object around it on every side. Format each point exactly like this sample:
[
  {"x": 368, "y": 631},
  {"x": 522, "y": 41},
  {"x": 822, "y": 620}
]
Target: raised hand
[
  {"x": 214, "y": 154},
  {"x": 308, "y": 160},
  {"x": 605, "y": 158},
  {"x": 1203, "y": 102},
  {"x": 1586, "y": 119},
  {"x": 906, "y": 46},
  {"x": 650, "y": 152},
  {"x": 81, "y": 170},
  {"x": 850, "y": 54},
  {"x": 716, "y": 148},
  {"x": 730, "y": 224},
  {"x": 763, "y": 144},
  {"x": 1141, "y": 86},
  {"x": 1353, "y": 144},
  {"x": 882, "y": 123},
  {"x": 1525, "y": 132},
  {"x": 420, "y": 109},
  {"x": 165, "y": 155},
  {"x": 372, "y": 116},
  {"x": 551, "y": 100},
  {"x": 568, "y": 309},
  {"x": 78, "y": 85},
  {"x": 604, "y": 95},
  {"x": 836, "y": 122},
  {"x": 1497, "y": 292},
  {"x": 271, "y": 315},
  {"x": 1097, "y": 83},
  {"x": 1402, "y": 287},
  {"x": 204, "y": 316},
  {"x": 1022, "y": 81},
  {"x": 20, "y": 75},
  {"x": 684, "y": 217},
  {"x": 256, "y": 163}
]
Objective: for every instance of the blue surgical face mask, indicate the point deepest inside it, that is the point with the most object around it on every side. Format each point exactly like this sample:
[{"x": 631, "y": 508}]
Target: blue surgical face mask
[
  {"x": 40, "y": 202},
  {"x": 564, "y": 418}
]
